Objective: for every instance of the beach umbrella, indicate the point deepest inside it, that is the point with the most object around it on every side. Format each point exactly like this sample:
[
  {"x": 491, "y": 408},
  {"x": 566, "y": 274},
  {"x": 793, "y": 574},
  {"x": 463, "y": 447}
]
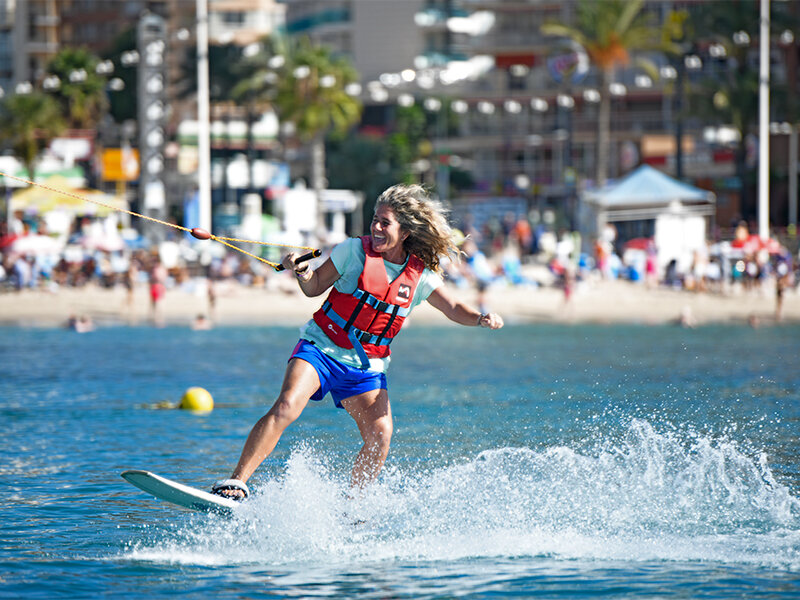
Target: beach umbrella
[
  {"x": 35, "y": 245},
  {"x": 748, "y": 244},
  {"x": 103, "y": 242},
  {"x": 7, "y": 240},
  {"x": 638, "y": 244},
  {"x": 41, "y": 199},
  {"x": 773, "y": 246},
  {"x": 754, "y": 243}
]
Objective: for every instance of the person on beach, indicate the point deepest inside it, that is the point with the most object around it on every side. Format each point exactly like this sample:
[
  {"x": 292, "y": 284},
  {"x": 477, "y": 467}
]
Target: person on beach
[
  {"x": 158, "y": 279},
  {"x": 344, "y": 349}
]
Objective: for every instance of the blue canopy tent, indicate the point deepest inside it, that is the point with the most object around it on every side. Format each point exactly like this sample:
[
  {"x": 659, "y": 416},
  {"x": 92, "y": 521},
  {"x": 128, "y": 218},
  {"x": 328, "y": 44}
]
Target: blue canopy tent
[
  {"x": 646, "y": 191},
  {"x": 649, "y": 203}
]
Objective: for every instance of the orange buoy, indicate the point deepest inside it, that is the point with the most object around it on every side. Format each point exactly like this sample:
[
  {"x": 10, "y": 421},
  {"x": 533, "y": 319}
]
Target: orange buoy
[{"x": 201, "y": 234}]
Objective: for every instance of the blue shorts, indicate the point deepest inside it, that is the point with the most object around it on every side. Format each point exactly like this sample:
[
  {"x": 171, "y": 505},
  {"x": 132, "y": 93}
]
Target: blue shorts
[{"x": 341, "y": 380}]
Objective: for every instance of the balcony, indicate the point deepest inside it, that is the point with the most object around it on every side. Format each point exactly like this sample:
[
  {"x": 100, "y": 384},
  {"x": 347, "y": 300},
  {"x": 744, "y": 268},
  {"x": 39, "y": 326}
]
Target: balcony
[
  {"x": 41, "y": 47},
  {"x": 436, "y": 18},
  {"x": 45, "y": 20},
  {"x": 338, "y": 17}
]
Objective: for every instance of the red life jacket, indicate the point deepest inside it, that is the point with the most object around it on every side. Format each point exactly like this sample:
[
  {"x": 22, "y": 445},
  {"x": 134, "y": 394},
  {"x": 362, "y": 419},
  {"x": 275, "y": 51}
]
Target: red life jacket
[{"x": 370, "y": 317}]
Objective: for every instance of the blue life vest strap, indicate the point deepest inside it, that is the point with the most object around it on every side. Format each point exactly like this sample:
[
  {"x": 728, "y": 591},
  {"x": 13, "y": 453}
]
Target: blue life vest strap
[
  {"x": 381, "y": 305},
  {"x": 355, "y": 335}
]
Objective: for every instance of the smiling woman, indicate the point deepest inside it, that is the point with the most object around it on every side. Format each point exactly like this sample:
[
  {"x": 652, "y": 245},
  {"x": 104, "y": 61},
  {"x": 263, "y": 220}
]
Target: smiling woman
[
  {"x": 387, "y": 237},
  {"x": 375, "y": 282}
]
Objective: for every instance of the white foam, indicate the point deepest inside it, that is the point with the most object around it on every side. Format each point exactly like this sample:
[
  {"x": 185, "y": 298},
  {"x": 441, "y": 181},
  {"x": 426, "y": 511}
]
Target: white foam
[{"x": 645, "y": 496}]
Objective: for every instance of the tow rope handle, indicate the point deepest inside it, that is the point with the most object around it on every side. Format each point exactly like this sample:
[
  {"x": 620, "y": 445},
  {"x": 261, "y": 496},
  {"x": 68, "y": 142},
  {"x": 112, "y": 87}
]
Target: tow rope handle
[{"x": 302, "y": 259}]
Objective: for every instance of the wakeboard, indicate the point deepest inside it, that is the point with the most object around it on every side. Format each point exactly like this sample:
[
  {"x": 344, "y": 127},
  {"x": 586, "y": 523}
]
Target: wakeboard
[{"x": 178, "y": 493}]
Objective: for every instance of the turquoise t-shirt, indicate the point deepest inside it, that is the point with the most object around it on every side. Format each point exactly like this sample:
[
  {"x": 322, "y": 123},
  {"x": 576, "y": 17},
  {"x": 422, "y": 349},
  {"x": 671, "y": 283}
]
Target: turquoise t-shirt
[{"x": 348, "y": 258}]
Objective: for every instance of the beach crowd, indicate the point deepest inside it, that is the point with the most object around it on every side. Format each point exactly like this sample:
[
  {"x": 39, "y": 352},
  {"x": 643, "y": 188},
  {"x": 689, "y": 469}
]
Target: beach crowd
[{"x": 502, "y": 252}]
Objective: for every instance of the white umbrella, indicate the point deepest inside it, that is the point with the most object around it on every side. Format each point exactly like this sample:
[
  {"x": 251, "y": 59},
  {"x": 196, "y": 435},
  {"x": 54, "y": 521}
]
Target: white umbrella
[
  {"x": 36, "y": 245},
  {"x": 103, "y": 242}
]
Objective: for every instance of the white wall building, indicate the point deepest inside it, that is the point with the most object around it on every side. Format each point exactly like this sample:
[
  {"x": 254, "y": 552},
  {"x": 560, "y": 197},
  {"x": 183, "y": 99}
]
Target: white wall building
[{"x": 243, "y": 22}]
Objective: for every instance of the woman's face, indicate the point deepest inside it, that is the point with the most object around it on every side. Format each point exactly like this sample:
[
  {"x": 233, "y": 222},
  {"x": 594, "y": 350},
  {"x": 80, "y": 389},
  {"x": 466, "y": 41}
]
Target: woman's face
[{"x": 387, "y": 235}]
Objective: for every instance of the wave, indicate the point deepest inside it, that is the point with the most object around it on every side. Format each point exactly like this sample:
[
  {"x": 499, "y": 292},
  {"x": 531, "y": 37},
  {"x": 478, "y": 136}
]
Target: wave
[{"x": 648, "y": 495}]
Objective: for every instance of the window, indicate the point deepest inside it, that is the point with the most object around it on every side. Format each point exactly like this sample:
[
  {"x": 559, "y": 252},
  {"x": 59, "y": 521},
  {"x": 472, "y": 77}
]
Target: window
[{"x": 233, "y": 18}]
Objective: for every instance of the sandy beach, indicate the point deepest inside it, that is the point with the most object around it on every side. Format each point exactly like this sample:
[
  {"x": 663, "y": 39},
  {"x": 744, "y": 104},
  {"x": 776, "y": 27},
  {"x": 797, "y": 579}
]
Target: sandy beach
[{"x": 594, "y": 301}]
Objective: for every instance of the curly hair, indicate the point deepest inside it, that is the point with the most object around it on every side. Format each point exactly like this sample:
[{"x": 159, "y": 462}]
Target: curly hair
[{"x": 429, "y": 234}]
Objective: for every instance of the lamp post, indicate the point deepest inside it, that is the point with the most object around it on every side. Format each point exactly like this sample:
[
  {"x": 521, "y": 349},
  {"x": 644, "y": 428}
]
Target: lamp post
[
  {"x": 435, "y": 106},
  {"x": 203, "y": 118},
  {"x": 511, "y": 109},
  {"x": 683, "y": 65},
  {"x": 565, "y": 104},
  {"x": 793, "y": 177},
  {"x": 563, "y": 133},
  {"x": 538, "y": 108},
  {"x": 788, "y": 42},
  {"x": 763, "y": 124},
  {"x": 151, "y": 43},
  {"x": 617, "y": 91},
  {"x": 790, "y": 130}
]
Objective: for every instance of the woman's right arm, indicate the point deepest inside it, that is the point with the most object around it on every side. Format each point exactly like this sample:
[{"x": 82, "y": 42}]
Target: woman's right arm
[{"x": 312, "y": 283}]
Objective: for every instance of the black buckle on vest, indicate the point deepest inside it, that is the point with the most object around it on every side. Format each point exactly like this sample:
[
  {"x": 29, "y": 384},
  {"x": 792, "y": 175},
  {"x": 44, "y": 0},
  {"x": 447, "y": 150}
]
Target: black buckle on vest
[
  {"x": 361, "y": 302},
  {"x": 386, "y": 329}
]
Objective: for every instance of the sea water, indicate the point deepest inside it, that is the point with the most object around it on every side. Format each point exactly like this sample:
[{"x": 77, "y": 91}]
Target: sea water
[{"x": 539, "y": 460}]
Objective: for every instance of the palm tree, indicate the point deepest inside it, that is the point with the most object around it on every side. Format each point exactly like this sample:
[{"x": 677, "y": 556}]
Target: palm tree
[
  {"x": 609, "y": 31},
  {"x": 122, "y": 103},
  {"x": 256, "y": 75},
  {"x": 311, "y": 94},
  {"x": 82, "y": 90},
  {"x": 29, "y": 122},
  {"x": 306, "y": 86}
]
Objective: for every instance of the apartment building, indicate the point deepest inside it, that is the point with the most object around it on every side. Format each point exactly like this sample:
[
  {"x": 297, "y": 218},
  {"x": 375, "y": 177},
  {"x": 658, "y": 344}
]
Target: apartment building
[
  {"x": 6, "y": 44},
  {"x": 378, "y": 37},
  {"x": 243, "y": 22},
  {"x": 35, "y": 38},
  {"x": 33, "y": 31},
  {"x": 526, "y": 104}
]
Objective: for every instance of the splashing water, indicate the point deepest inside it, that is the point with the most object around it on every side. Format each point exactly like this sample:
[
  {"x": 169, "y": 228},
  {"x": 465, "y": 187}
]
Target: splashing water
[{"x": 646, "y": 496}]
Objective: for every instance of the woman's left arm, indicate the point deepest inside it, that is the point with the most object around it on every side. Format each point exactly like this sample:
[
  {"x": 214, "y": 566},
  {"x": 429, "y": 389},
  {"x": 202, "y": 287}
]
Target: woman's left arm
[{"x": 455, "y": 310}]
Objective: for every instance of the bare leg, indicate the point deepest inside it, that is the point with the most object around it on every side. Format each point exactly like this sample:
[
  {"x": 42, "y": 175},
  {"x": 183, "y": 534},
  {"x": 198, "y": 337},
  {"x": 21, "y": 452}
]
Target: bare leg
[
  {"x": 373, "y": 414},
  {"x": 299, "y": 383}
]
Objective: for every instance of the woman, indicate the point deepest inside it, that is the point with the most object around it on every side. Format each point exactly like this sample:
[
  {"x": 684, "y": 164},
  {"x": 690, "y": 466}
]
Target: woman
[{"x": 344, "y": 349}]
